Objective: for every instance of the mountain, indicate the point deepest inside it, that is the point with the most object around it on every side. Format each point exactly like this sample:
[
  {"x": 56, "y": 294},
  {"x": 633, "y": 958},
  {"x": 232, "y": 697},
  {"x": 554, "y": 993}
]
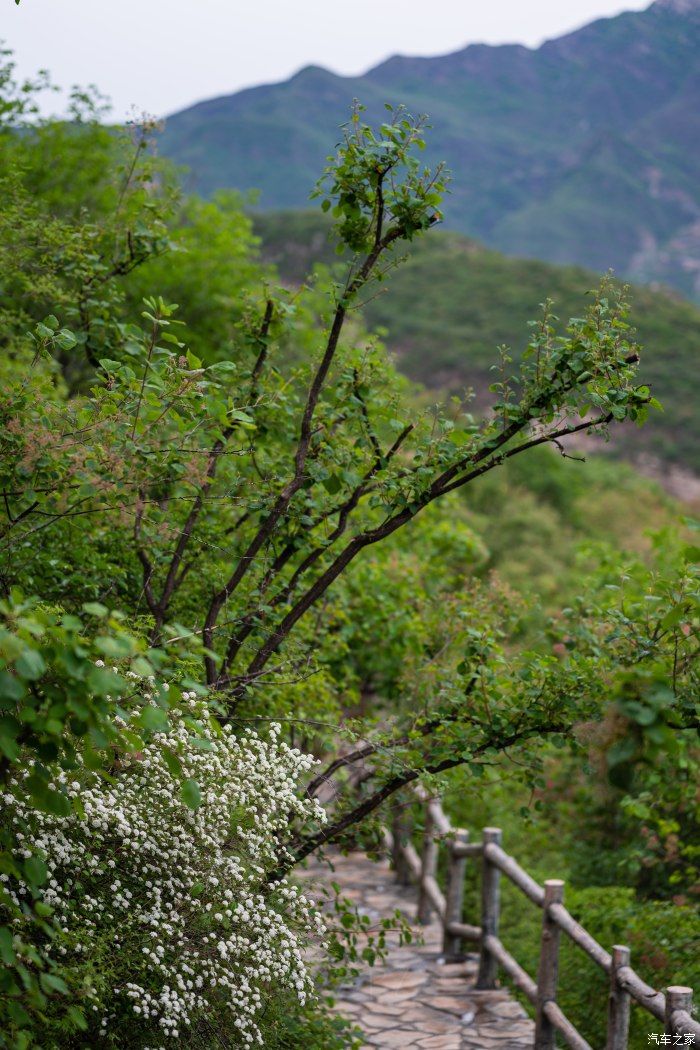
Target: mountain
[
  {"x": 585, "y": 150},
  {"x": 477, "y": 299}
]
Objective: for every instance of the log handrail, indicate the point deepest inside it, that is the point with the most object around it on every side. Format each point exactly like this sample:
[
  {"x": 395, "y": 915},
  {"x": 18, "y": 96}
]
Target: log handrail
[
  {"x": 674, "y": 1009},
  {"x": 517, "y": 875}
]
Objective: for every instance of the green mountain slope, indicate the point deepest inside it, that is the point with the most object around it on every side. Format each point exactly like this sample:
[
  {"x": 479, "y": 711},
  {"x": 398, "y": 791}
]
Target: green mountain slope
[
  {"x": 586, "y": 150},
  {"x": 452, "y": 302}
]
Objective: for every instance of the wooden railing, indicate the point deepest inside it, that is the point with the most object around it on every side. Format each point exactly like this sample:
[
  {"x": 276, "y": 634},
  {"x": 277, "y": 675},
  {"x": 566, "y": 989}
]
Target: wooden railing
[{"x": 673, "y": 1009}]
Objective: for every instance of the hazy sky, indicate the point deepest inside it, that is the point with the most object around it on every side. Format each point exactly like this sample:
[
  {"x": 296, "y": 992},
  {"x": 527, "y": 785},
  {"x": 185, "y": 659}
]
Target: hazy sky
[{"x": 161, "y": 55}]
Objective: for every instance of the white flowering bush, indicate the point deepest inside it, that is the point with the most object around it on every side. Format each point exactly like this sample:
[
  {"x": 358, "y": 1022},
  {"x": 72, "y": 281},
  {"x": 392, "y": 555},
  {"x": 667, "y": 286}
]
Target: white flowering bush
[{"x": 168, "y": 928}]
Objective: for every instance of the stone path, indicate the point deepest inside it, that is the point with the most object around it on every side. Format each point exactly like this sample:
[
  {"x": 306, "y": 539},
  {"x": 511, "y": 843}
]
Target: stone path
[{"x": 415, "y": 1000}]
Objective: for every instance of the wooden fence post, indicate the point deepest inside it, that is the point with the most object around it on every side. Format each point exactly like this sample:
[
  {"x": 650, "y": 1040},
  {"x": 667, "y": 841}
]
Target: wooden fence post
[
  {"x": 490, "y": 910},
  {"x": 548, "y": 969},
  {"x": 618, "y": 1002},
  {"x": 677, "y": 998},
  {"x": 401, "y": 833},
  {"x": 428, "y": 869},
  {"x": 454, "y": 896}
]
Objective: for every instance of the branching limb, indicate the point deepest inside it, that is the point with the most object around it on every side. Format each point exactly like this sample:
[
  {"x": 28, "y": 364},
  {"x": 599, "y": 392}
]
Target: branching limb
[
  {"x": 304, "y": 847},
  {"x": 344, "y": 511},
  {"x": 280, "y": 505},
  {"x": 388, "y": 527},
  {"x": 360, "y": 753},
  {"x": 542, "y": 439},
  {"x": 176, "y": 574}
]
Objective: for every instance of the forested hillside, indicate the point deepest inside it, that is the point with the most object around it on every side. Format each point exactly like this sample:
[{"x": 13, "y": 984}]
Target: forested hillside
[
  {"x": 453, "y": 302},
  {"x": 584, "y": 151}
]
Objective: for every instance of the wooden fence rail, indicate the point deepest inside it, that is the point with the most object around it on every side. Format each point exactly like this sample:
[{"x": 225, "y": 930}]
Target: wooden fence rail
[{"x": 673, "y": 1009}]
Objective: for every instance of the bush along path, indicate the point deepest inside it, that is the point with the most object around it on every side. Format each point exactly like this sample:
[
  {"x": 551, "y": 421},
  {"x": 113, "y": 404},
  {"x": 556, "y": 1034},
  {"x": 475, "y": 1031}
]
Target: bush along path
[{"x": 417, "y": 998}]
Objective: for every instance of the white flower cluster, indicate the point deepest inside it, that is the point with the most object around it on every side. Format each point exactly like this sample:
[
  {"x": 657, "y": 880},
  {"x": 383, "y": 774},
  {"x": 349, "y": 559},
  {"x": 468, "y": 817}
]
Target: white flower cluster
[{"x": 174, "y": 901}]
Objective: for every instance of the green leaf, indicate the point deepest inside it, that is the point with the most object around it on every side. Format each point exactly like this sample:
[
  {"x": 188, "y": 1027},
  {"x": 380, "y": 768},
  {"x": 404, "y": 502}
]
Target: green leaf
[
  {"x": 190, "y": 794},
  {"x": 19, "y": 1015},
  {"x": 51, "y": 983},
  {"x": 201, "y": 743},
  {"x": 36, "y": 870},
  {"x": 46, "y": 798},
  {"x": 103, "y": 682},
  {"x": 116, "y": 646},
  {"x": 66, "y": 340},
  {"x": 674, "y": 616},
  {"x": 77, "y": 1018},
  {"x": 10, "y": 729},
  {"x": 246, "y": 421},
  {"x": 7, "y": 952},
  {"x": 141, "y": 666},
  {"x": 10, "y": 687},
  {"x": 172, "y": 762},
  {"x": 30, "y": 665},
  {"x": 154, "y": 719},
  {"x": 640, "y": 713}
]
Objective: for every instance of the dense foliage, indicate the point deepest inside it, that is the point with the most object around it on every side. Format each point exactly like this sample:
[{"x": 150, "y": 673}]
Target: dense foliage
[
  {"x": 618, "y": 816},
  {"x": 265, "y": 526}
]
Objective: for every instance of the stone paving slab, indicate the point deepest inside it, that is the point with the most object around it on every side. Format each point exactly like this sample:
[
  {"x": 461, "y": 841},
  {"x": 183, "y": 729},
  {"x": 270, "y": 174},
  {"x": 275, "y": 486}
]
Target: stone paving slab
[{"x": 415, "y": 999}]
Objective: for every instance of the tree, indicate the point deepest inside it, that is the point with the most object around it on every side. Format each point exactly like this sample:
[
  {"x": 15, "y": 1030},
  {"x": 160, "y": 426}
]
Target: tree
[
  {"x": 84, "y": 206},
  {"x": 243, "y": 490}
]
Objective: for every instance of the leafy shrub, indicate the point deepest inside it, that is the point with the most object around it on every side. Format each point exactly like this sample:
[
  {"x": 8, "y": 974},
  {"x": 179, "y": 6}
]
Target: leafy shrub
[
  {"x": 158, "y": 884},
  {"x": 58, "y": 700}
]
